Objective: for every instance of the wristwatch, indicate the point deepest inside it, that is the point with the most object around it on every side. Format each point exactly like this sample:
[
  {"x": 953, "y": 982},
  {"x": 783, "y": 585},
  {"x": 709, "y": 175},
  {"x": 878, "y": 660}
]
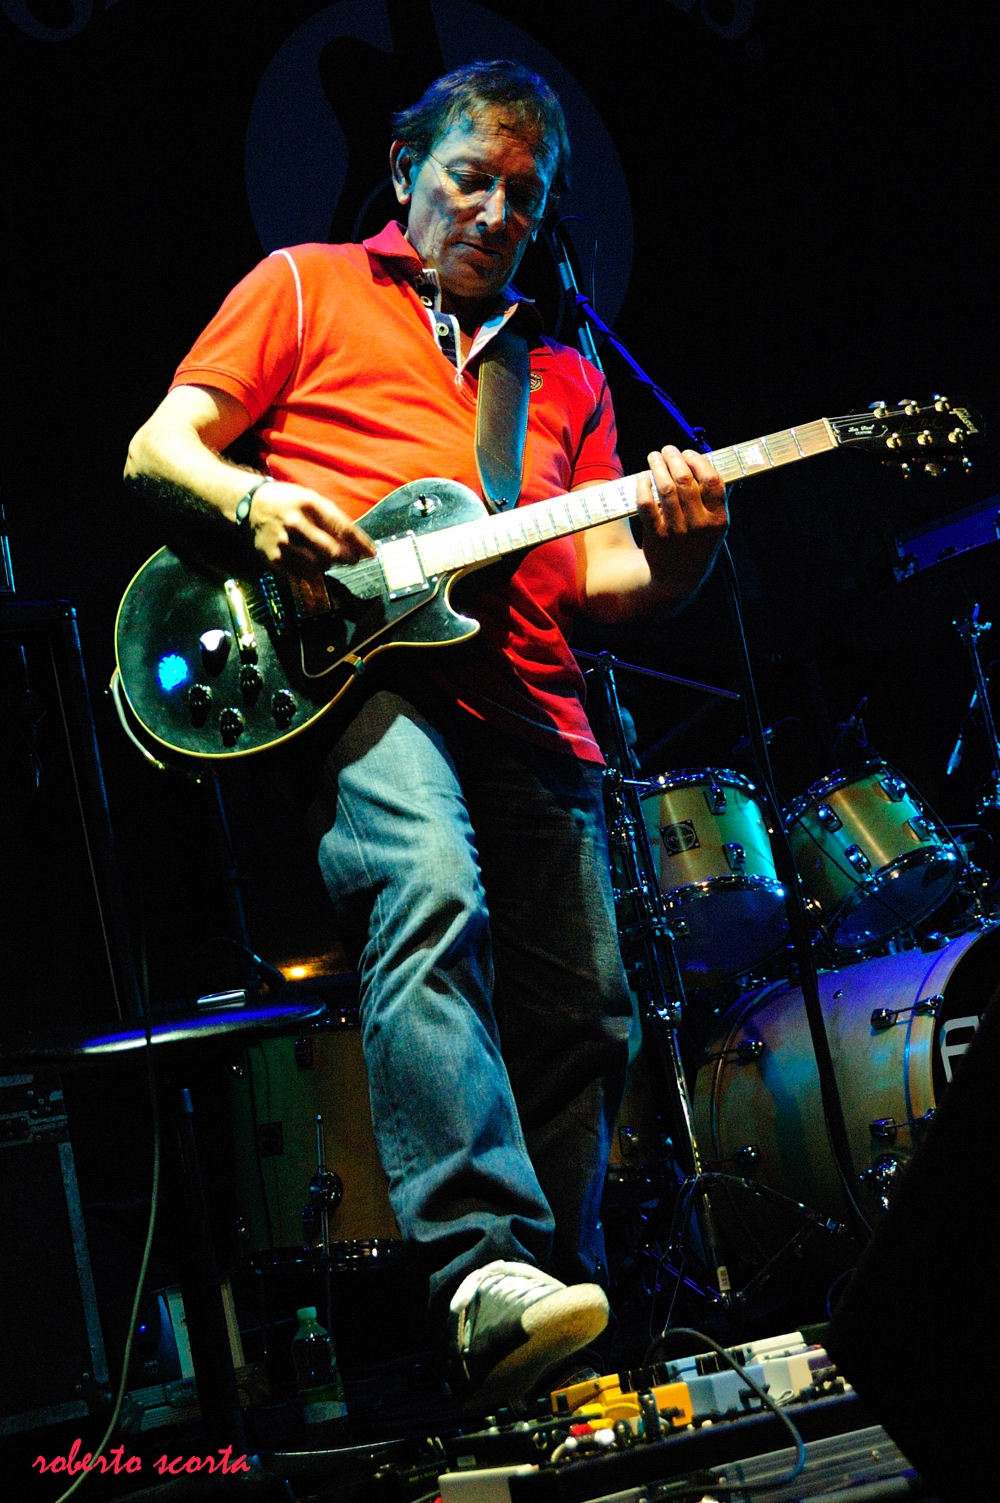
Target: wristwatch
[{"x": 243, "y": 505}]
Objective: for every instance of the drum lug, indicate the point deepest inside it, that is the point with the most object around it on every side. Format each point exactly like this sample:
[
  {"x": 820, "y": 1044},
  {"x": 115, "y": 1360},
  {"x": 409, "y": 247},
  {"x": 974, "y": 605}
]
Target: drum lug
[
  {"x": 920, "y": 827},
  {"x": 326, "y": 1190},
  {"x": 882, "y": 1177},
  {"x": 827, "y": 818},
  {"x": 933, "y": 941},
  {"x": 746, "y": 1051},
  {"x": 886, "y": 1129},
  {"x": 895, "y": 789},
  {"x": 858, "y": 860},
  {"x": 886, "y": 1017},
  {"x": 736, "y": 856},
  {"x": 715, "y": 798},
  {"x": 303, "y": 1052}
]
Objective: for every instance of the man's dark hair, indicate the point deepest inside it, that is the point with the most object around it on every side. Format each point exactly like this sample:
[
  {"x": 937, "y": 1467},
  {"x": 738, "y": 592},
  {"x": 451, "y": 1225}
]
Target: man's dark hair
[{"x": 532, "y": 109}]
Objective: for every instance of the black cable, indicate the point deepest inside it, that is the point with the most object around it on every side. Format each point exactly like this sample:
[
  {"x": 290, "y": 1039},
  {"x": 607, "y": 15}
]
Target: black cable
[{"x": 154, "y": 1201}]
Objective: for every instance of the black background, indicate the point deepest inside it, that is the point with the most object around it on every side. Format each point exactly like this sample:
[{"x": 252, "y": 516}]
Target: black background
[{"x": 812, "y": 191}]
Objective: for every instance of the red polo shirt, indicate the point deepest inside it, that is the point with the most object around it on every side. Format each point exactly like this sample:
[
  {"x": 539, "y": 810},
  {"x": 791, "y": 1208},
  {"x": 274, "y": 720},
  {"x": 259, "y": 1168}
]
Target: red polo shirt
[{"x": 331, "y": 351}]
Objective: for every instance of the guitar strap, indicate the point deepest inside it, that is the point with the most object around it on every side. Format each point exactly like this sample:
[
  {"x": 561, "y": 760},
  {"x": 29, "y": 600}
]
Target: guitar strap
[{"x": 502, "y": 416}]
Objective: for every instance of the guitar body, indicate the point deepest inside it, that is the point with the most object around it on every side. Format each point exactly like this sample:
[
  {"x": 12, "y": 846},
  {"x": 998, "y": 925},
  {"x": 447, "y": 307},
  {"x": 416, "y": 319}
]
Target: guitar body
[{"x": 300, "y": 664}]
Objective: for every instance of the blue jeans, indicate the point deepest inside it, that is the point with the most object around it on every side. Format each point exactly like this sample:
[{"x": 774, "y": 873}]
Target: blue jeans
[{"x": 471, "y": 869}]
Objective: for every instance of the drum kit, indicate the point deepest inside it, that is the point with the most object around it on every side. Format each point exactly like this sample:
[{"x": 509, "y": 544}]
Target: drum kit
[
  {"x": 904, "y": 951},
  {"x": 876, "y": 867}
]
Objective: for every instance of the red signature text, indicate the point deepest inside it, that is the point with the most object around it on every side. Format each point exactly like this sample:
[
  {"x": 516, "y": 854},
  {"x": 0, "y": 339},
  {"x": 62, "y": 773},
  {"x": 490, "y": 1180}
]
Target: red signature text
[{"x": 116, "y": 1461}]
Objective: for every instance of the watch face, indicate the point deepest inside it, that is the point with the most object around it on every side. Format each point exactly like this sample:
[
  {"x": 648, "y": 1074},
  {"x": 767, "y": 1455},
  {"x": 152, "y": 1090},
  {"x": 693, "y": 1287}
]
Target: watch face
[{"x": 243, "y": 509}]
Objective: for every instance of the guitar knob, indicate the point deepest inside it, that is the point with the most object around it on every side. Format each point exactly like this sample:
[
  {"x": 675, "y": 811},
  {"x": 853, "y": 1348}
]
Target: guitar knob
[
  {"x": 231, "y": 725},
  {"x": 215, "y": 646},
  {"x": 199, "y": 703},
  {"x": 251, "y": 683},
  {"x": 283, "y": 708}
]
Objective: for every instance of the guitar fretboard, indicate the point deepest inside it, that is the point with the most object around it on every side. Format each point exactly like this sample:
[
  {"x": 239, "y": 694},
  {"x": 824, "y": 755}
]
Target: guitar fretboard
[{"x": 493, "y": 537}]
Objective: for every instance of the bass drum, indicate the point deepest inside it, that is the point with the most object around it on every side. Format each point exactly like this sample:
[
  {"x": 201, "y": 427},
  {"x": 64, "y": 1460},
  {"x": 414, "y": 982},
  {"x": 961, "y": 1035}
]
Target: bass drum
[
  {"x": 716, "y": 872},
  {"x": 897, "y": 1027},
  {"x": 869, "y": 855},
  {"x": 285, "y": 1083}
]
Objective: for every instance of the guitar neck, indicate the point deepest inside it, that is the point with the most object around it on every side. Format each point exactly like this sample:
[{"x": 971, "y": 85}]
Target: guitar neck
[{"x": 493, "y": 537}]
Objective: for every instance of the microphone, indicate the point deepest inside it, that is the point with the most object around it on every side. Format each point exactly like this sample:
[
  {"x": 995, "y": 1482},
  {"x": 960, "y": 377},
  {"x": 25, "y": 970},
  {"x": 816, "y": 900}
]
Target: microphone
[
  {"x": 955, "y": 759},
  {"x": 567, "y": 276}
]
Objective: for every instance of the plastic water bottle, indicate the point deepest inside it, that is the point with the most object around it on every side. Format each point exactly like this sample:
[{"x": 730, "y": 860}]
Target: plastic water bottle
[{"x": 321, "y": 1390}]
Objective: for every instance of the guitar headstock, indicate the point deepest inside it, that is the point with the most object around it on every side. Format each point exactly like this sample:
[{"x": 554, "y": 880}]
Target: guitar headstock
[{"x": 927, "y": 437}]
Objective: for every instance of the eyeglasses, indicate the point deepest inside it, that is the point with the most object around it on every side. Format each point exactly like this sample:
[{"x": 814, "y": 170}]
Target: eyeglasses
[{"x": 526, "y": 204}]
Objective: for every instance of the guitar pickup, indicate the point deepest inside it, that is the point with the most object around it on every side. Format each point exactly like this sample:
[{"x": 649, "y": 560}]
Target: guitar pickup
[
  {"x": 401, "y": 566},
  {"x": 242, "y": 625}
]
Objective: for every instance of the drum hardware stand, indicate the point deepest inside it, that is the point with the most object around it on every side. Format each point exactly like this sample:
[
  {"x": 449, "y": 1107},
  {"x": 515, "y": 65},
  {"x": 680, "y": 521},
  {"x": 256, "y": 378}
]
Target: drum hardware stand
[
  {"x": 652, "y": 935},
  {"x": 326, "y": 1191},
  {"x": 970, "y": 629}
]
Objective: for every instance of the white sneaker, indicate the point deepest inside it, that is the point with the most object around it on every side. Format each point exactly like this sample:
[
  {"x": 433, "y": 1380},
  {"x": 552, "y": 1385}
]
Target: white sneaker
[{"x": 509, "y": 1323}]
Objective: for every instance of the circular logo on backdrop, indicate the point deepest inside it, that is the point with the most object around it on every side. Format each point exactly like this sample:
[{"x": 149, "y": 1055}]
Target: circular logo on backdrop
[{"x": 317, "y": 144}]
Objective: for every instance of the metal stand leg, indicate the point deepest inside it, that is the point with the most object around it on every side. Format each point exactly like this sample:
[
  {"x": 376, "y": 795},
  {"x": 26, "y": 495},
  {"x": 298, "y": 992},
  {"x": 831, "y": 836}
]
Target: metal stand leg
[
  {"x": 970, "y": 629},
  {"x": 200, "y": 1285}
]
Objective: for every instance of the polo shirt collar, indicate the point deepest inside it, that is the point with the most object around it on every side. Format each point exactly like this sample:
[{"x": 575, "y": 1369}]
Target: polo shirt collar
[{"x": 391, "y": 244}]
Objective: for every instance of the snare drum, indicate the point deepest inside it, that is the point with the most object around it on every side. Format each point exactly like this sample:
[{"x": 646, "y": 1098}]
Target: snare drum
[
  {"x": 869, "y": 855},
  {"x": 716, "y": 872},
  {"x": 897, "y": 1025},
  {"x": 285, "y": 1083}
]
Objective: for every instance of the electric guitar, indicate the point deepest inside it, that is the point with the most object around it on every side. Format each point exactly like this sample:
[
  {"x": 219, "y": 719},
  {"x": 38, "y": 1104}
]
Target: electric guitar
[{"x": 215, "y": 667}]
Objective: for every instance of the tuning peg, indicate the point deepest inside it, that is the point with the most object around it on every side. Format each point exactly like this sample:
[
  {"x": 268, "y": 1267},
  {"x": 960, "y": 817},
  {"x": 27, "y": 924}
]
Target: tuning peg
[
  {"x": 933, "y": 469},
  {"x": 941, "y": 404},
  {"x": 894, "y": 441},
  {"x": 966, "y": 463},
  {"x": 910, "y": 405},
  {"x": 926, "y": 437},
  {"x": 879, "y": 408}
]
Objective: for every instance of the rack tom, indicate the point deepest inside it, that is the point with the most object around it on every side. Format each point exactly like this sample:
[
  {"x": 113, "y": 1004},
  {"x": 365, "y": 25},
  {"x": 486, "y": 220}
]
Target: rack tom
[
  {"x": 715, "y": 870},
  {"x": 870, "y": 855}
]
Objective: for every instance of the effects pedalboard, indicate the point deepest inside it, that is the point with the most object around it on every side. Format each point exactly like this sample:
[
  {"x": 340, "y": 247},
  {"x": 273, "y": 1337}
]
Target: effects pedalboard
[{"x": 689, "y": 1427}]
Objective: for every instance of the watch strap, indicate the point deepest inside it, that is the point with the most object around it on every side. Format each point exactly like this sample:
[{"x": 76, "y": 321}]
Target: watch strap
[{"x": 243, "y": 505}]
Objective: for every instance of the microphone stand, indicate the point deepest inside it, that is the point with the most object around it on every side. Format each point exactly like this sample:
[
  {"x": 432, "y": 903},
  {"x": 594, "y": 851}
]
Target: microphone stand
[{"x": 586, "y": 317}]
